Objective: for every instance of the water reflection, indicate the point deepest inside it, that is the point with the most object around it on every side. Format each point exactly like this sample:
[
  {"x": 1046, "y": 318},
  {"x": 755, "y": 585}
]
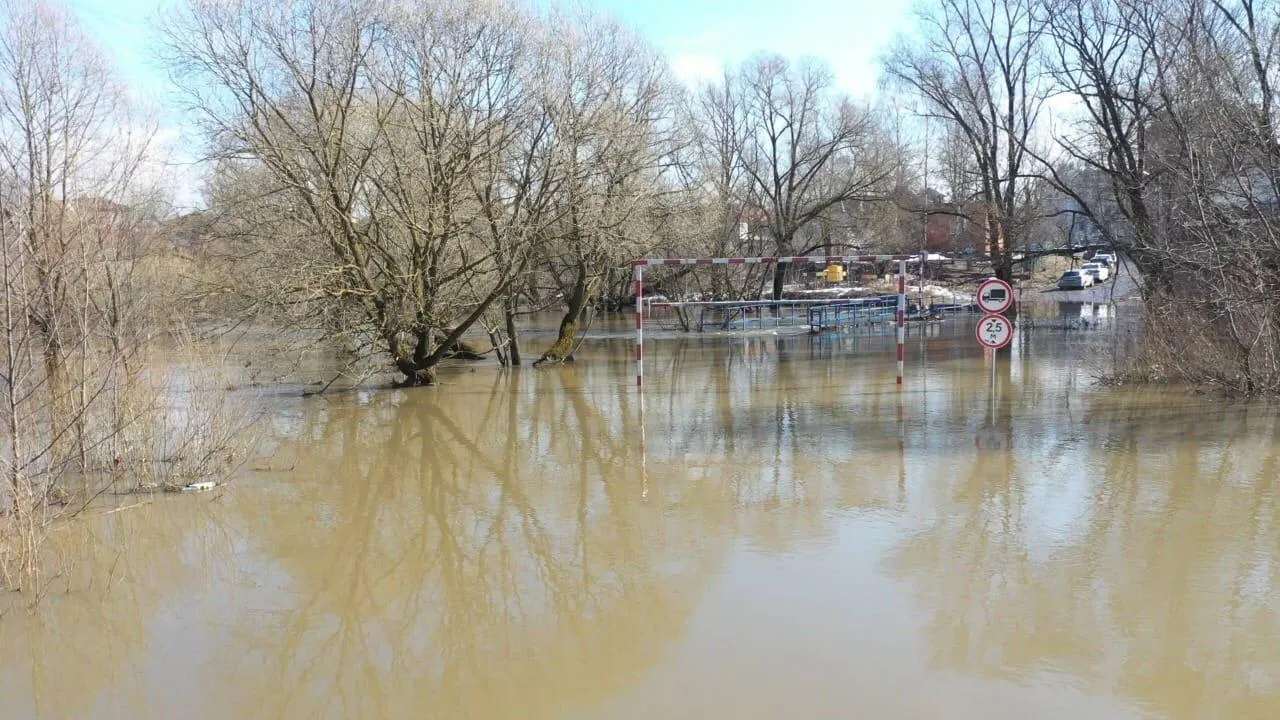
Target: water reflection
[
  {"x": 492, "y": 558},
  {"x": 98, "y": 650},
  {"x": 1138, "y": 557},
  {"x": 793, "y": 535}
]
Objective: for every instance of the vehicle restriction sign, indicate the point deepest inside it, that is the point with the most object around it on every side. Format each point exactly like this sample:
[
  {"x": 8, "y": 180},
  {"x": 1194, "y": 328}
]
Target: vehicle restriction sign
[
  {"x": 994, "y": 296},
  {"x": 995, "y": 331}
]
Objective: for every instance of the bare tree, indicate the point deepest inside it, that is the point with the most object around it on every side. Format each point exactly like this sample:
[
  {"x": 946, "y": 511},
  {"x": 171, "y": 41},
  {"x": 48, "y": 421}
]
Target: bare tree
[
  {"x": 610, "y": 104},
  {"x": 805, "y": 148},
  {"x": 892, "y": 222},
  {"x": 975, "y": 64},
  {"x": 1178, "y": 116},
  {"x": 401, "y": 139},
  {"x": 78, "y": 300},
  {"x": 723, "y": 221},
  {"x": 1109, "y": 57}
]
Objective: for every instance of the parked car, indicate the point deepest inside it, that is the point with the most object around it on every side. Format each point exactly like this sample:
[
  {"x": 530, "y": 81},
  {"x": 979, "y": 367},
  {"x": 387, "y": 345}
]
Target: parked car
[
  {"x": 1075, "y": 280},
  {"x": 1099, "y": 270}
]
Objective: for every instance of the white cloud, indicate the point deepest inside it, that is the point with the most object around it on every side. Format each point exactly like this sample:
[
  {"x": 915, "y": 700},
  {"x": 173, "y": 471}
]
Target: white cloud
[{"x": 692, "y": 69}]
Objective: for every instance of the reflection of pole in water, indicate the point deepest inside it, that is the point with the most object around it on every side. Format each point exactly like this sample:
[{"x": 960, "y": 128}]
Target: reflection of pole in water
[
  {"x": 992, "y": 359},
  {"x": 924, "y": 354},
  {"x": 902, "y": 340},
  {"x": 644, "y": 465},
  {"x": 902, "y": 442}
]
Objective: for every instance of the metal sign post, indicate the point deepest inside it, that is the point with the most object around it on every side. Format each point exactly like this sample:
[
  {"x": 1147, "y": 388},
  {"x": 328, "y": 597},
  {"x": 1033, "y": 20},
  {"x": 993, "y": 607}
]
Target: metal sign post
[
  {"x": 994, "y": 330},
  {"x": 991, "y": 361},
  {"x": 902, "y": 317}
]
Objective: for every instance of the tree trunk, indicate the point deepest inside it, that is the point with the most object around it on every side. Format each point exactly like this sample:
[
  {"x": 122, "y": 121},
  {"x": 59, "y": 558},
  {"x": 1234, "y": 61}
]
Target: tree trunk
[
  {"x": 513, "y": 337},
  {"x": 1002, "y": 264},
  {"x": 415, "y": 365},
  {"x": 784, "y": 245},
  {"x": 458, "y": 349},
  {"x": 498, "y": 345},
  {"x": 417, "y": 369},
  {"x": 578, "y": 300},
  {"x": 421, "y": 377},
  {"x": 1001, "y": 258}
]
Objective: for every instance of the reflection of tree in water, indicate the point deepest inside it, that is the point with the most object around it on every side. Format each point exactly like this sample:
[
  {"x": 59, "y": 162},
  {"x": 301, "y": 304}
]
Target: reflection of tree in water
[
  {"x": 751, "y": 426},
  {"x": 484, "y": 550},
  {"x": 1157, "y": 584},
  {"x": 496, "y": 559}
]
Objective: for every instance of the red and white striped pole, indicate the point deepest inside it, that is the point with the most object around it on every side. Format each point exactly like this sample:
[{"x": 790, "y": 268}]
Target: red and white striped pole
[
  {"x": 639, "y": 325},
  {"x": 902, "y": 315}
]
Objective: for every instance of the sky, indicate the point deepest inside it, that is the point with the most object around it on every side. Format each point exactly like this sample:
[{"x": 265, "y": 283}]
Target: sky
[{"x": 699, "y": 38}]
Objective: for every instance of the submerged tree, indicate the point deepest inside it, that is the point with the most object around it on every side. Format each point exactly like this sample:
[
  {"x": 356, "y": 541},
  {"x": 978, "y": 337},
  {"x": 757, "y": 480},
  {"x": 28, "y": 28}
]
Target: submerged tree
[
  {"x": 429, "y": 166},
  {"x": 79, "y": 297},
  {"x": 400, "y": 144},
  {"x": 609, "y": 104}
]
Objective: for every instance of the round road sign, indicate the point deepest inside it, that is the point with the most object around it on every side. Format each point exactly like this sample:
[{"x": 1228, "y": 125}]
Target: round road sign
[
  {"x": 994, "y": 296},
  {"x": 995, "y": 331}
]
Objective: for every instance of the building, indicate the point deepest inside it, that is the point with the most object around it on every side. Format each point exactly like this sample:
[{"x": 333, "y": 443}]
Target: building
[{"x": 953, "y": 227}]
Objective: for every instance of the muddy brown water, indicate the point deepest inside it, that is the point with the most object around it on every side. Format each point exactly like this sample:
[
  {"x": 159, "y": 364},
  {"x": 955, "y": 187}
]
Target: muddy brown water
[{"x": 780, "y": 533}]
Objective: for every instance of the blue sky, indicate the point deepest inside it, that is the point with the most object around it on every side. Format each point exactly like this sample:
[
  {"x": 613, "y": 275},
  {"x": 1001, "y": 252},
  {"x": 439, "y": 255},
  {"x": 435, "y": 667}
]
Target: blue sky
[
  {"x": 124, "y": 30},
  {"x": 698, "y": 36}
]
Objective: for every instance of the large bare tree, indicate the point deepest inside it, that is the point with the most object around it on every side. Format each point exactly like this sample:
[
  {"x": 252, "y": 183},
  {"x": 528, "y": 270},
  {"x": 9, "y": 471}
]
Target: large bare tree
[
  {"x": 405, "y": 150},
  {"x": 1109, "y": 56},
  {"x": 806, "y": 148},
  {"x": 1178, "y": 113},
  {"x": 975, "y": 63},
  {"x": 722, "y": 220},
  {"x": 610, "y": 103}
]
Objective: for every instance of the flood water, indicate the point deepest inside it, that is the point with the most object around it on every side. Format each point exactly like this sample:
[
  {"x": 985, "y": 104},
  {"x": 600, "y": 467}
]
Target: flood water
[{"x": 777, "y": 532}]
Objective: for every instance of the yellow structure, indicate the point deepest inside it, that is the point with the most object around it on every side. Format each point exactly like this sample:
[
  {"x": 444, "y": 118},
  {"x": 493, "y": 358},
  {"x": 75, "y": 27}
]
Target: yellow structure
[{"x": 834, "y": 273}]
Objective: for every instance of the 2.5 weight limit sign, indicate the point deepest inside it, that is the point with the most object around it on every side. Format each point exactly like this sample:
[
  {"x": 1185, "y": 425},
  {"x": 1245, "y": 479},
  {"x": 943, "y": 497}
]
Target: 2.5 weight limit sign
[{"x": 995, "y": 331}]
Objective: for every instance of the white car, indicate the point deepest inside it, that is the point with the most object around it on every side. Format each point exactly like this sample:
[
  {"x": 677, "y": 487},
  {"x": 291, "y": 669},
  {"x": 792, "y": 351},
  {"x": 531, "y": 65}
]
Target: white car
[
  {"x": 1075, "y": 280},
  {"x": 1098, "y": 270}
]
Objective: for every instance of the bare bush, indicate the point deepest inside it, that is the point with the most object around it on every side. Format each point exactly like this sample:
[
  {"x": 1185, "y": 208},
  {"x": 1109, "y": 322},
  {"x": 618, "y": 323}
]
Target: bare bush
[{"x": 79, "y": 293}]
